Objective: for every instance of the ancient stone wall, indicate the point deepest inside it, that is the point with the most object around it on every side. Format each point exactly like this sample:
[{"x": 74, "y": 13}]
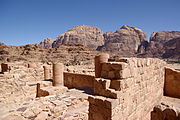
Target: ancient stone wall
[
  {"x": 127, "y": 90},
  {"x": 172, "y": 83},
  {"x": 19, "y": 82},
  {"x": 73, "y": 80}
]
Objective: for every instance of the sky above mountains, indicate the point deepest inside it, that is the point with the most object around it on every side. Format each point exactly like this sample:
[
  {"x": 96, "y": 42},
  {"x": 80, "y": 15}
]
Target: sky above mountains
[{"x": 31, "y": 21}]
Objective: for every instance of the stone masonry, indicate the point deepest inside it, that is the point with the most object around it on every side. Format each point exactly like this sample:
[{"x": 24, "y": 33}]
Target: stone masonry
[
  {"x": 4, "y": 67},
  {"x": 127, "y": 90},
  {"x": 123, "y": 89},
  {"x": 47, "y": 73},
  {"x": 172, "y": 83},
  {"x": 103, "y": 58},
  {"x": 58, "y": 82},
  {"x": 58, "y": 70}
]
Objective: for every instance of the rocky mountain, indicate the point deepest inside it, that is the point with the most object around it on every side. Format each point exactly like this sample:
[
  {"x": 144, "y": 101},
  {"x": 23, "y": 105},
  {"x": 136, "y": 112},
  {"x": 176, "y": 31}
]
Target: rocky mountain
[
  {"x": 164, "y": 44},
  {"x": 88, "y": 36},
  {"x": 125, "y": 41},
  {"x": 47, "y": 43}
]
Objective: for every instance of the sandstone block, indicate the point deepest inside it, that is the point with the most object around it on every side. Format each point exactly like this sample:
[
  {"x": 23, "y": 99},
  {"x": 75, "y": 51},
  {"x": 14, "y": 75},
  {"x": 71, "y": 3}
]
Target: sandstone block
[
  {"x": 99, "y": 60},
  {"x": 106, "y": 66},
  {"x": 118, "y": 66},
  {"x": 100, "y": 83},
  {"x": 91, "y": 99},
  {"x": 125, "y": 73},
  {"x": 111, "y": 74},
  {"x": 4, "y": 67},
  {"x": 42, "y": 116},
  {"x": 46, "y": 73},
  {"x": 103, "y": 58},
  {"x": 111, "y": 103},
  {"x": 97, "y": 116},
  {"x": 111, "y": 93},
  {"x": 97, "y": 67},
  {"x": 116, "y": 84},
  {"x": 169, "y": 114},
  {"x": 104, "y": 74},
  {"x": 42, "y": 92},
  {"x": 172, "y": 83},
  {"x": 32, "y": 65},
  {"x": 99, "y": 100}
]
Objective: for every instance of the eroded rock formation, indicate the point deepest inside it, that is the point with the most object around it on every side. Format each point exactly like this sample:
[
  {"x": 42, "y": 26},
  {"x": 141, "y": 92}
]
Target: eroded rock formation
[
  {"x": 164, "y": 44},
  {"x": 91, "y": 37},
  {"x": 47, "y": 43},
  {"x": 124, "y": 41}
]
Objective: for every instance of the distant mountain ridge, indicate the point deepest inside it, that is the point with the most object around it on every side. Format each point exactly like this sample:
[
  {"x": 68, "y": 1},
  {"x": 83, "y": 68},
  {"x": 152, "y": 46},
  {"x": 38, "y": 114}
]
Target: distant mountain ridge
[
  {"x": 165, "y": 44},
  {"x": 126, "y": 41}
]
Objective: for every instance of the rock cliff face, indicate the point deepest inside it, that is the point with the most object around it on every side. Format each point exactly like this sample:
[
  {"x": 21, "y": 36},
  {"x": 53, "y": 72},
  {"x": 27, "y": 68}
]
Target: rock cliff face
[
  {"x": 47, "y": 43},
  {"x": 164, "y": 44},
  {"x": 88, "y": 36},
  {"x": 125, "y": 41}
]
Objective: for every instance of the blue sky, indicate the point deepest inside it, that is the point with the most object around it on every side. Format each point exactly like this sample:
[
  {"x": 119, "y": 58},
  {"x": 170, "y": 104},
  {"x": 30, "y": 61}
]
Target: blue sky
[{"x": 31, "y": 21}]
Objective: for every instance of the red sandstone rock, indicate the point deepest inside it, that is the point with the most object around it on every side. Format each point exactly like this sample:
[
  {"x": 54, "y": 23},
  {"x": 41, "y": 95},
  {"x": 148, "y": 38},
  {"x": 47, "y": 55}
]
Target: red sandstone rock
[
  {"x": 172, "y": 83},
  {"x": 91, "y": 37},
  {"x": 124, "y": 41},
  {"x": 164, "y": 44}
]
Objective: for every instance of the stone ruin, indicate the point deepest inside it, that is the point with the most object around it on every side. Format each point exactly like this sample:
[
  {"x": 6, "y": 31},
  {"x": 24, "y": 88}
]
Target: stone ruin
[
  {"x": 57, "y": 82},
  {"x": 127, "y": 88}
]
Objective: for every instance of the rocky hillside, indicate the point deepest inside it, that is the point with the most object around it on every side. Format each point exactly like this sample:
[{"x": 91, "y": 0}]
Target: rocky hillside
[
  {"x": 69, "y": 55},
  {"x": 164, "y": 44},
  {"x": 47, "y": 43},
  {"x": 124, "y": 41},
  {"x": 88, "y": 36}
]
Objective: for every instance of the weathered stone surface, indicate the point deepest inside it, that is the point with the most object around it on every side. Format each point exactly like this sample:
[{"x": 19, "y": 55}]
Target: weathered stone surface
[
  {"x": 91, "y": 37},
  {"x": 4, "y": 68},
  {"x": 172, "y": 83},
  {"x": 115, "y": 70},
  {"x": 46, "y": 91},
  {"x": 102, "y": 87},
  {"x": 68, "y": 106},
  {"x": 32, "y": 65},
  {"x": 47, "y": 73},
  {"x": 58, "y": 76},
  {"x": 74, "y": 80},
  {"x": 67, "y": 54},
  {"x": 47, "y": 43},
  {"x": 116, "y": 84},
  {"x": 168, "y": 109},
  {"x": 134, "y": 100},
  {"x": 164, "y": 44},
  {"x": 42, "y": 116},
  {"x": 124, "y": 41},
  {"x": 98, "y": 61},
  {"x": 137, "y": 89}
]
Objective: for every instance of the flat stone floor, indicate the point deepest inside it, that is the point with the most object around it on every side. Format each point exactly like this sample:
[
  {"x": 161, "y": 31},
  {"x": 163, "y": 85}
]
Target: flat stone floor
[{"x": 72, "y": 105}]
